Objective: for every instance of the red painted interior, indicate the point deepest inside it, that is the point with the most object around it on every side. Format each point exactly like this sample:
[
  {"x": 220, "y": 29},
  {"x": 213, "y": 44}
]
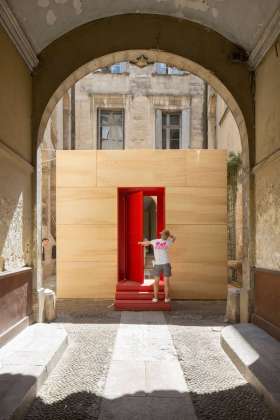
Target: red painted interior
[
  {"x": 134, "y": 234},
  {"x": 130, "y": 229}
]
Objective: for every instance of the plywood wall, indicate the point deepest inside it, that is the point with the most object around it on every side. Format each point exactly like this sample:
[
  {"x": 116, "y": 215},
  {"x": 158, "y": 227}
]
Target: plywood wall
[{"x": 196, "y": 212}]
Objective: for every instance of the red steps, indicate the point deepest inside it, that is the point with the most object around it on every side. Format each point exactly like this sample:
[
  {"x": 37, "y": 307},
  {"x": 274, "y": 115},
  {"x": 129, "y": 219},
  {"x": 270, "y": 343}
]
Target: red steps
[
  {"x": 135, "y": 296},
  {"x": 128, "y": 285},
  {"x": 141, "y": 305}
]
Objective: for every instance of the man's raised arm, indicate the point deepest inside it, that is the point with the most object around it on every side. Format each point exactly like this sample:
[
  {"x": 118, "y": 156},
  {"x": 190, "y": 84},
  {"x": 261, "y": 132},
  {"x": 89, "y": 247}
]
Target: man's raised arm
[{"x": 145, "y": 243}]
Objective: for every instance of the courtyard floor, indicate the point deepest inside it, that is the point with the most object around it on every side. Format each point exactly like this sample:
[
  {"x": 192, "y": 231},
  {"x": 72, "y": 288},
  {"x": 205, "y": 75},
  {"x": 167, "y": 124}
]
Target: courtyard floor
[{"x": 145, "y": 365}]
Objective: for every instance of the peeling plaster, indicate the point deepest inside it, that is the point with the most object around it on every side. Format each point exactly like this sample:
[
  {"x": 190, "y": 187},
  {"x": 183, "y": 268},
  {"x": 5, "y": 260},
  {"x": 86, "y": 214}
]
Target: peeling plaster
[
  {"x": 201, "y": 5},
  {"x": 228, "y": 18},
  {"x": 43, "y": 3},
  {"x": 12, "y": 251},
  {"x": 215, "y": 12},
  {"x": 268, "y": 217},
  {"x": 77, "y": 4},
  {"x": 51, "y": 17}
]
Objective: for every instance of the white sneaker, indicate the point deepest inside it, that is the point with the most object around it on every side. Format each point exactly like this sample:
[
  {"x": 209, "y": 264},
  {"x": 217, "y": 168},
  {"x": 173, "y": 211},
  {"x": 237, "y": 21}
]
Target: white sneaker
[
  {"x": 166, "y": 300},
  {"x": 155, "y": 300}
]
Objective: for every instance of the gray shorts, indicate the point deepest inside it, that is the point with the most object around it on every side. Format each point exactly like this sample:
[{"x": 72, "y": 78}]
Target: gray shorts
[{"x": 164, "y": 269}]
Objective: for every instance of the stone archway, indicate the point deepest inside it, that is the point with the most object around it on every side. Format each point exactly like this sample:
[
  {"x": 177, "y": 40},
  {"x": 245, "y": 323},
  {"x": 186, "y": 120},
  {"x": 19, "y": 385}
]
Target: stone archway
[
  {"x": 150, "y": 56},
  {"x": 133, "y": 37}
]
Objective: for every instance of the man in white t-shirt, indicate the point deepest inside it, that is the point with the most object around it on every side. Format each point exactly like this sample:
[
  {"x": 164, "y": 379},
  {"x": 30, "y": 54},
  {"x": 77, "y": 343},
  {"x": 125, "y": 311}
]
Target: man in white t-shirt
[{"x": 162, "y": 262}]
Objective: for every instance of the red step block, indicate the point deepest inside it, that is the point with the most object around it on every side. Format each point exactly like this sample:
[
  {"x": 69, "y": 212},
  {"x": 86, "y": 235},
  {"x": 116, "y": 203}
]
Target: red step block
[
  {"x": 131, "y": 295},
  {"x": 141, "y": 305},
  {"x": 134, "y": 286}
]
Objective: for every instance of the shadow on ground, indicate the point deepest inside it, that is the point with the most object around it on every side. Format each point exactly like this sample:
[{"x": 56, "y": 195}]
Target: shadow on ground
[
  {"x": 102, "y": 312},
  {"x": 231, "y": 404}
]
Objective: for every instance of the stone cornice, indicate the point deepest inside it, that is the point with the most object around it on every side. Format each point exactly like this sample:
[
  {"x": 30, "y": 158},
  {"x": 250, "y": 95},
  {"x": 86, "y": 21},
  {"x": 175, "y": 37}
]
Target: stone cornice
[
  {"x": 17, "y": 35},
  {"x": 267, "y": 160},
  {"x": 266, "y": 40}
]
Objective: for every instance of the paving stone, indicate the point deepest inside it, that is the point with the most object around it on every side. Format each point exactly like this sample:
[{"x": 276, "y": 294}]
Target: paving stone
[
  {"x": 24, "y": 367},
  {"x": 254, "y": 353},
  {"x": 171, "y": 409},
  {"x": 144, "y": 364},
  {"x": 147, "y": 341},
  {"x": 18, "y": 387},
  {"x": 165, "y": 379},
  {"x": 126, "y": 408},
  {"x": 124, "y": 378},
  {"x": 147, "y": 408}
]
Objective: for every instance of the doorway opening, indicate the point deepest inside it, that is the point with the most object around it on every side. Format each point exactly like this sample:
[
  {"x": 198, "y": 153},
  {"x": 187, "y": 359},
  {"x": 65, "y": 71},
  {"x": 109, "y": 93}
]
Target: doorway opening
[
  {"x": 141, "y": 214},
  {"x": 149, "y": 232}
]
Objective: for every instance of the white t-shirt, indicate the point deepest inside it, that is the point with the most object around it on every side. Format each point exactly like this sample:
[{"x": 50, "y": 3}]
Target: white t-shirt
[{"x": 160, "y": 247}]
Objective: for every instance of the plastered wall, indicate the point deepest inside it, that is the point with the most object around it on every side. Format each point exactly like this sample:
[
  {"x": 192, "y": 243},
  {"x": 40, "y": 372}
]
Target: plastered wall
[
  {"x": 15, "y": 157},
  {"x": 267, "y": 171},
  {"x": 228, "y": 136},
  {"x": 87, "y": 219},
  {"x": 15, "y": 99}
]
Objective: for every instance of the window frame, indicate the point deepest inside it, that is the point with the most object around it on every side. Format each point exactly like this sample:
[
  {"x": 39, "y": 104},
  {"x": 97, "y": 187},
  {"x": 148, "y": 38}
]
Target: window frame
[
  {"x": 99, "y": 126},
  {"x": 168, "y": 70},
  {"x": 169, "y": 127},
  {"x": 122, "y": 67}
]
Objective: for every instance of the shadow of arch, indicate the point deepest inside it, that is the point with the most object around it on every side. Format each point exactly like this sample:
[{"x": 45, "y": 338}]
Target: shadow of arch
[{"x": 235, "y": 403}]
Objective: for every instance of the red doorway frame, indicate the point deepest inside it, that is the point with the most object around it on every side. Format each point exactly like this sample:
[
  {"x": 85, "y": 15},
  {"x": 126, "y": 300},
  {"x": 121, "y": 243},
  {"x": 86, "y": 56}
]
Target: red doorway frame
[{"x": 158, "y": 192}]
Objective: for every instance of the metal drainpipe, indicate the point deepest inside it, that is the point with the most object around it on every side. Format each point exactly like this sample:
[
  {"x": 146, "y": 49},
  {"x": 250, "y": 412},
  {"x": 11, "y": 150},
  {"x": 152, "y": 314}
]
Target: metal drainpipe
[
  {"x": 205, "y": 116},
  {"x": 73, "y": 117}
]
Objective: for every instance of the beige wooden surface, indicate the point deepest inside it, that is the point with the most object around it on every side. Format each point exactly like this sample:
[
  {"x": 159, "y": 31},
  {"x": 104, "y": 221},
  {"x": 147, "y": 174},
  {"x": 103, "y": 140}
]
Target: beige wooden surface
[
  {"x": 76, "y": 168},
  {"x": 87, "y": 243},
  {"x": 196, "y": 205},
  {"x": 132, "y": 168},
  {"x": 199, "y": 281},
  {"x": 199, "y": 243},
  {"x": 86, "y": 279},
  {"x": 196, "y": 213},
  {"x": 206, "y": 168},
  {"x": 86, "y": 206}
]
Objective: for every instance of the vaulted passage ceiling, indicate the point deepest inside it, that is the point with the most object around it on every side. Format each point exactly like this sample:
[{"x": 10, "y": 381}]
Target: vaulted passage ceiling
[{"x": 241, "y": 21}]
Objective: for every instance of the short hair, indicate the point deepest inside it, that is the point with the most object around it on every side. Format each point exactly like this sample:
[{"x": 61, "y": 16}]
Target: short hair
[{"x": 165, "y": 234}]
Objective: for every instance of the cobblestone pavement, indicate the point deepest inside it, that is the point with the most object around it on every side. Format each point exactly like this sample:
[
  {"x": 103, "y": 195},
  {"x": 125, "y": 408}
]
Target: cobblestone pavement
[
  {"x": 74, "y": 389},
  {"x": 218, "y": 390}
]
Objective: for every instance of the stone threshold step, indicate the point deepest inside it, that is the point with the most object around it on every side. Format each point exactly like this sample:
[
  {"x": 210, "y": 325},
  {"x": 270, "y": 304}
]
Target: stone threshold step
[
  {"x": 257, "y": 356},
  {"x": 25, "y": 363}
]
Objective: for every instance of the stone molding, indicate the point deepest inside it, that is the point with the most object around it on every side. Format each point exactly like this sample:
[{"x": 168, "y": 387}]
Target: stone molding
[
  {"x": 16, "y": 158},
  {"x": 267, "y": 160},
  {"x": 17, "y": 35},
  {"x": 266, "y": 40}
]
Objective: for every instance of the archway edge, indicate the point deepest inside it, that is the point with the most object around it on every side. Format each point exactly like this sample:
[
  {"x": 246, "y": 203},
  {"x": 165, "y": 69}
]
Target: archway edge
[{"x": 200, "y": 50}]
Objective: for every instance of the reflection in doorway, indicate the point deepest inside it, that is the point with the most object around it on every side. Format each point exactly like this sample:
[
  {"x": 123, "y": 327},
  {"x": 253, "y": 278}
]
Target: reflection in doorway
[{"x": 149, "y": 232}]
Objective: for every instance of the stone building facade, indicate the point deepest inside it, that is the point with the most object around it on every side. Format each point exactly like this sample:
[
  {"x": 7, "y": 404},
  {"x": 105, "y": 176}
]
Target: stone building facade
[{"x": 142, "y": 96}]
